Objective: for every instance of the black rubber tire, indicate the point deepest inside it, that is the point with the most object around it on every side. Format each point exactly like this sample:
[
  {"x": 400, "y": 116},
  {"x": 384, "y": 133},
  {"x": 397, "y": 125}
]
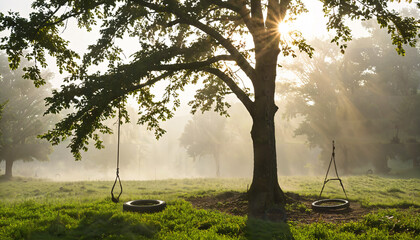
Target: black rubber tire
[
  {"x": 144, "y": 206},
  {"x": 342, "y": 204}
]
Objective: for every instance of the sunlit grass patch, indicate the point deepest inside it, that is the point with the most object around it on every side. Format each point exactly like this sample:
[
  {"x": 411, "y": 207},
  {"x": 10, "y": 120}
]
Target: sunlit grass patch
[
  {"x": 370, "y": 190},
  {"x": 298, "y": 206},
  {"x": 45, "y": 190}
]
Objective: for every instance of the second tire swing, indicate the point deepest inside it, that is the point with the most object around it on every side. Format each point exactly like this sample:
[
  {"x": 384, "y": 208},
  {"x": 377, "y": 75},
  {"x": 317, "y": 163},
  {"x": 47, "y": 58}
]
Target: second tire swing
[{"x": 331, "y": 204}]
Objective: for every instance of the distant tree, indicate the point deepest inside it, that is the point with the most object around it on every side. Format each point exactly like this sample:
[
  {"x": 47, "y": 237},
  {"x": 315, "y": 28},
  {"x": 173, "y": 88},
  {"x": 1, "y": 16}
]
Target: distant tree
[
  {"x": 180, "y": 43},
  {"x": 204, "y": 135},
  {"x": 22, "y": 119},
  {"x": 358, "y": 98}
]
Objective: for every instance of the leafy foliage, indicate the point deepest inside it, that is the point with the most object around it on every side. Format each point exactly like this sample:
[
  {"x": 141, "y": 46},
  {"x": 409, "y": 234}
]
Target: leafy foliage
[
  {"x": 338, "y": 11},
  {"x": 180, "y": 43}
]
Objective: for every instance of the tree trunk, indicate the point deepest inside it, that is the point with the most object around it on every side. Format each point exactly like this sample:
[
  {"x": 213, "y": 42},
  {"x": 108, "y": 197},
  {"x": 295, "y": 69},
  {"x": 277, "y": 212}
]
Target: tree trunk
[
  {"x": 265, "y": 195},
  {"x": 9, "y": 166}
]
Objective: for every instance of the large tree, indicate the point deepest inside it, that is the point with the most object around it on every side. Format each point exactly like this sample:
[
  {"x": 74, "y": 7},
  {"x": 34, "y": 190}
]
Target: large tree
[
  {"x": 179, "y": 43},
  {"x": 22, "y": 119}
]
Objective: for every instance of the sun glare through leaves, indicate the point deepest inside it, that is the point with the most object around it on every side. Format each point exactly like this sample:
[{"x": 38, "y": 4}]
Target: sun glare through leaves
[{"x": 285, "y": 30}]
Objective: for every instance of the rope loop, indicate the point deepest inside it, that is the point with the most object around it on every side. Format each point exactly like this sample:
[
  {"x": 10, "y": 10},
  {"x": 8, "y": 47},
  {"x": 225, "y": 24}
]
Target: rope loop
[{"x": 117, "y": 178}]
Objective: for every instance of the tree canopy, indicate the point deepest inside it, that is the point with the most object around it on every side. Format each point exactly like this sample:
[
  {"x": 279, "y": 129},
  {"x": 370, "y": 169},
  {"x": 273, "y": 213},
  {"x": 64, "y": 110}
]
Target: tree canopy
[{"x": 179, "y": 42}]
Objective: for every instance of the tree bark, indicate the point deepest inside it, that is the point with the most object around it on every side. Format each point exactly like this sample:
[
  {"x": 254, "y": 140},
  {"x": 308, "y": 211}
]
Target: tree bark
[
  {"x": 265, "y": 194},
  {"x": 9, "y": 166}
]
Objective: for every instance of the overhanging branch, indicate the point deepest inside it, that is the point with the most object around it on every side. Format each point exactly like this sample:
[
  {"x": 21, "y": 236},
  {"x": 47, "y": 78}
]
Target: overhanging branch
[
  {"x": 240, "y": 94},
  {"x": 192, "y": 65}
]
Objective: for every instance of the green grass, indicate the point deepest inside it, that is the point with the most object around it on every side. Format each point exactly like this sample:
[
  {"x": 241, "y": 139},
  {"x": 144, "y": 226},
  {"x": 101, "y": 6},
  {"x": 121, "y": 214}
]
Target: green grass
[
  {"x": 386, "y": 224},
  {"x": 41, "y": 209},
  {"x": 103, "y": 220}
]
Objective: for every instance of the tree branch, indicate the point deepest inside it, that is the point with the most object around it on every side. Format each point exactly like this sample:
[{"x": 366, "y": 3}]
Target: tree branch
[
  {"x": 240, "y": 94},
  {"x": 193, "y": 65},
  {"x": 238, "y": 6},
  {"x": 48, "y": 18},
  {"x": 149, "y": 82},
  {"x": 257, "y": 13},
  {"x": 284, "y": 5},
  {"x": 273, "y": 14},
  {"x": 240, "y": 60}
]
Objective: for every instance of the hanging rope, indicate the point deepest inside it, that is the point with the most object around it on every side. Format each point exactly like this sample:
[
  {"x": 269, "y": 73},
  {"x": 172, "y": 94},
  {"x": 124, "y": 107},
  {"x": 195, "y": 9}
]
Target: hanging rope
[
  {"x": 117, "y": 178},
  {"x": 336, "y": 173},
  {"x": 333, "y": 205}
]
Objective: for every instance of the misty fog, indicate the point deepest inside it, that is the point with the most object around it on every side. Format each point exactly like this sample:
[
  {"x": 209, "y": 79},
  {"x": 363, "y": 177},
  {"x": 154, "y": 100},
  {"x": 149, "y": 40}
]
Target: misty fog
[
  {"x": 142, "y": 157},
  {"x": 367, "y": 101}
]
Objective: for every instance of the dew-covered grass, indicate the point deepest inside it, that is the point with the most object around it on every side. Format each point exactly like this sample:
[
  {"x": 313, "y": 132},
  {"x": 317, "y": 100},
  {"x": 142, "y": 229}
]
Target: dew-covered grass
[{"x": 42, "y": 209}]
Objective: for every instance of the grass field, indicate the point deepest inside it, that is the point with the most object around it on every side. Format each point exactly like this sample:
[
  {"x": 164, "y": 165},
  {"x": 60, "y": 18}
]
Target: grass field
[{"x": 41, "y": 209}]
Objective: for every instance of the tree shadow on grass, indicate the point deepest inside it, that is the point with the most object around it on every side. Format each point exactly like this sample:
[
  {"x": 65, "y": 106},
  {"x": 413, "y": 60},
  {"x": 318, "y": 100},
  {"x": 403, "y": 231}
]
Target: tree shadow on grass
[
  {"x": 96, "y": 225},
  {"x": 4, "y": 178},
  {"x": 262, "y": 229}
]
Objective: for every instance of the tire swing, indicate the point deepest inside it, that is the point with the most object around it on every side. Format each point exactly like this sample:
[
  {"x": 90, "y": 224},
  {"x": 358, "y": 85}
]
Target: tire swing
[
  {"x": 144, "y": 206},
  {"x": 140, "y": 206},
  {"x": 330, "y": 205}
]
